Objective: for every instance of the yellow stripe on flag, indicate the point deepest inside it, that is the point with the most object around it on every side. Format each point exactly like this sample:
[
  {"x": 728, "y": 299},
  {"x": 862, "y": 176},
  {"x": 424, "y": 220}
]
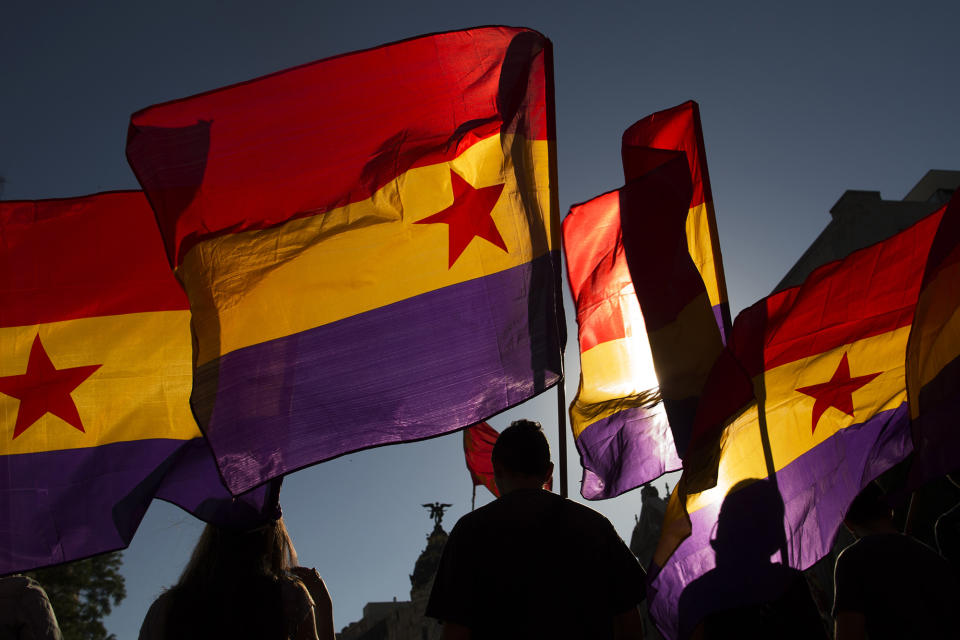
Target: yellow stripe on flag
[
  {"x": 789, "y": 413},
  {"x": 614, "y": 376},
  {"x": 701, "y": 250},
  {"x": 140, "y": 391}
]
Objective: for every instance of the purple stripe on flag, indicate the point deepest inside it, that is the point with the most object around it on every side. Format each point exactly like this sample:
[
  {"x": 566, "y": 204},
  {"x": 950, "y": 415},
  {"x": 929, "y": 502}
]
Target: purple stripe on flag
[
  {"x": 60, "y": 505},
  {"x": 65, "y": 505},
  {"x": 721, "y": 313},
  {"x": 816, "y": 488},
  {"x": 417, "y": 368},
  {"x": 191, "y": 480},
  {"x": 625, "y": 450}
]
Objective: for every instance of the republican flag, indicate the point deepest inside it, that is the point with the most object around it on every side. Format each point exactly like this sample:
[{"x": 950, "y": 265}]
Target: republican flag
[
  {"x": 368, "y": 244},
  {"x": 651, "y": 313},
  {"x": 827, "y": 362},
  {"x": 94, "y": 383},
  {"x": 933, "y": 357}
]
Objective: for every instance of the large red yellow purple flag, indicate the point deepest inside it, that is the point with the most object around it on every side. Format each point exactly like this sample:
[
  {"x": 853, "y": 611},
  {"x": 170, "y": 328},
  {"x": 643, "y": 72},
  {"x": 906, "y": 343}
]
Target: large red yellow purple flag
[
  {"x": 95, "y": 361},
  {"x": 651, "y": 314},
  {"x": 367, "y": 242},
  {"x": 827, "y": 361}
]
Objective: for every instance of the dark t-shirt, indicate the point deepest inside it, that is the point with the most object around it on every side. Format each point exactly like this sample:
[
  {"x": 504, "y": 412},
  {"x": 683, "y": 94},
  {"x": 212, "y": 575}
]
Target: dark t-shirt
[
  {"x": 902, "y": 586},
  {"x": 534, "y": 565}
]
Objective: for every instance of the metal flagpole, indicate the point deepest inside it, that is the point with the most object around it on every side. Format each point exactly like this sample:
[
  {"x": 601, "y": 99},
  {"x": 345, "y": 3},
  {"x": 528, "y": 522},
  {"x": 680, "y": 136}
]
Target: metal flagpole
[{"x": 562, "y": 426}]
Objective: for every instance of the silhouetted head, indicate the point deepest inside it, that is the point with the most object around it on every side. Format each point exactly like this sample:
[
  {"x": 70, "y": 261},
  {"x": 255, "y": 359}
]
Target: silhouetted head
[
  {"x": 869, "y": 512},
  {"x": 233, "y": 585},
  {"x": 223, "y": 554},
  {"x": 750, "y": 523},
  {"x": 521, "y": 457}
]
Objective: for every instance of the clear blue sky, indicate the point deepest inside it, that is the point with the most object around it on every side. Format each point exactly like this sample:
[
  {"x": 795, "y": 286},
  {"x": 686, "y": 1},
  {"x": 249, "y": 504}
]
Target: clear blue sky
[{"x": 798, "y": 104}]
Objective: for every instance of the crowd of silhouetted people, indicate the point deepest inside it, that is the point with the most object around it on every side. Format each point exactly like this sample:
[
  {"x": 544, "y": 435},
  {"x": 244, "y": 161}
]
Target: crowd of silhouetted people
[{"x": 534, "y": 565}]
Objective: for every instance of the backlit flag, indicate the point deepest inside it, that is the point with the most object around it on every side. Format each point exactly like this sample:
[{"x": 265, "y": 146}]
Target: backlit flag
[
  {"x": 95, "y": 361},
  {"x": 367, "y": 242},
  {"x": 672, "y": 251},
  {"x": 478, "y": 442},
  {"x": 618, "y": 420},
  {"x": 933, "y": 357},
  {"x": 827, "y": 359},
  {"x": 660, "y": 228}
]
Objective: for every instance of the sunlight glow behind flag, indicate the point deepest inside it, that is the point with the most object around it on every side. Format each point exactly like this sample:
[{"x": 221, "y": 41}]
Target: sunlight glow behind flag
[
  {"x": 368, "y": 243},
  {"x": 827, "y": 361},
  {"x": 95, "y": 361},
  {"x": 651, "y": 313}
]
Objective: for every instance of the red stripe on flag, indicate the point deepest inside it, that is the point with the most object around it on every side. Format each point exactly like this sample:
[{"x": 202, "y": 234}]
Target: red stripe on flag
[
  {"x": 870, "y": 292},
  {"x": 596, "y": 269},
  {"x": 674, "y": 129},
  {"x": 72, "y": 258},
  {"x": 332, "y": 132}
]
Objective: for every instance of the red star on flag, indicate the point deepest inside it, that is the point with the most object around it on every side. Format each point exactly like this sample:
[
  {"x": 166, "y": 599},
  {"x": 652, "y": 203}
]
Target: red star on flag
[
  {"x": 837, "y": 393},
  {"x": 469, "y": 216},
  {"x": 45, "y": 389}
]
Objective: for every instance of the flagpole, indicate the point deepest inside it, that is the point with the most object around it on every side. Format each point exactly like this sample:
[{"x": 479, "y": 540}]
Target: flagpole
[
  {"x": 555, "y": 242},
  {"x": 562, "y": 426},
  {"x": 768, "y": 457}
]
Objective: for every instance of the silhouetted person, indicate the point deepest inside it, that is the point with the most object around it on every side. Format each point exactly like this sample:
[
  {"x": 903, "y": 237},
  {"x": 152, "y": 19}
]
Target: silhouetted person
[
  {"x": 532, "y": 564},
  {"x": 889, "y": 585},
  {"x": 25, "y": 611},
  {"x": 243, "y": 584},
  {"x": 947, "y": 532},
  {"x": 746, "y": 595}
]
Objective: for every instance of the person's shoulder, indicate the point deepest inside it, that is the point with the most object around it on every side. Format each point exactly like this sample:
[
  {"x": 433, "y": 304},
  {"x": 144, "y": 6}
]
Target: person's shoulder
[
  {"x": 22, "y": 587},
  {"x": 584, "y": 514},
  {"x": 154, "y": 623},
  {"x": 472, "y": 519},
  {"x": 296, "y": 599},
  {"x": 851, "y": 555},
  {"x": 885, "y": 544},
  {"x": 17, "y": 584},
  {"x": 293, "y": 589}
]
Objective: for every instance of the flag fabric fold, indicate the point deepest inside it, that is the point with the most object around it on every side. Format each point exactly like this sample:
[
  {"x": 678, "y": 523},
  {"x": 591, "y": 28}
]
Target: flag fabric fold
[
  {"x": 94, "y": 383},
  {"x": 367, "y": 266},
  {"x": 933, "y": 357},
  {"x": 652, "y": 314},
  {"x": 827, "y": 362}
]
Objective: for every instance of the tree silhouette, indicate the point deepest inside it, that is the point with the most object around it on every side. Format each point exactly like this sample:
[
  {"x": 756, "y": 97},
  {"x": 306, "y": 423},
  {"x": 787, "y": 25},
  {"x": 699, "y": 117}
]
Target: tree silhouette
[{"x": 83, "y": 593}]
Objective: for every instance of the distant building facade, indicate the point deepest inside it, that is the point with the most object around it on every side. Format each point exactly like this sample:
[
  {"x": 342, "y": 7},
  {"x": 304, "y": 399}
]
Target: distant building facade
[
  {"x": 862, "y": 218},
  {"x": 405, "y": 620}
]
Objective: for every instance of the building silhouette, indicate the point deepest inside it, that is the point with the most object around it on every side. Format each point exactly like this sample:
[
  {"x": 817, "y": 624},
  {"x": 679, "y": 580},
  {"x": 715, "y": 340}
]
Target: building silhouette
[
  {"x": 862, "y": 218},
  {"x": 405, "y": 620}
]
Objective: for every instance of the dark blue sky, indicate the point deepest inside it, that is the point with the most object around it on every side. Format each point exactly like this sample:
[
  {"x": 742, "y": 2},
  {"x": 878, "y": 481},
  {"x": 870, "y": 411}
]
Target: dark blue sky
[{"x": 798, "y": 104}]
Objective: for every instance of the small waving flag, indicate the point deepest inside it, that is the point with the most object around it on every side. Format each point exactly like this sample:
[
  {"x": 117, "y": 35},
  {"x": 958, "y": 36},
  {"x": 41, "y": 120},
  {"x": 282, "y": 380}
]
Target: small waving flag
[
  {"x": 478, "y": 442},
  {"x": 368, "y": 244}
]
